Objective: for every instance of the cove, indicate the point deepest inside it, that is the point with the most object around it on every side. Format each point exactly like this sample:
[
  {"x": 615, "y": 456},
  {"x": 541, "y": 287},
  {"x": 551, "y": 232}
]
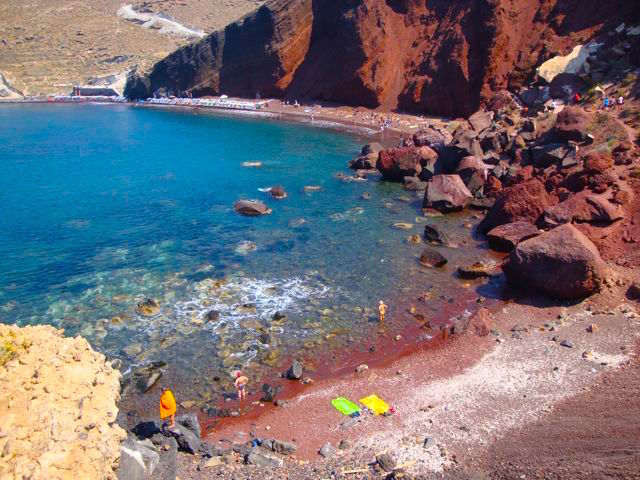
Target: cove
[{"x": 103, "y": 207}]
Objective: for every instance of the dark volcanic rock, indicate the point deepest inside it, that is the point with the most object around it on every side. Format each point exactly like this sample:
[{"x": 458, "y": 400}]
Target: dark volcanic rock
[
  {"x": 278, "y": 192},
  {"x": 138, "y": 460},
  {"x": 295, "y": 371},
  {"x": 504, "y": 238},
  {"x": 435, "y": 235},
  {"x": 397, "y": 163},
  {"x": 447, "y": 193},
  {"x": 572, "y": 124},
  {"x": 522, "y": 202},
  {"x": 562, "y": 262},
  {"x": 187, "y": 440},
  {"x": 546, "y": 155},
  {"x": 432, "y": 258},
  {"x": 251, "y": 208}
]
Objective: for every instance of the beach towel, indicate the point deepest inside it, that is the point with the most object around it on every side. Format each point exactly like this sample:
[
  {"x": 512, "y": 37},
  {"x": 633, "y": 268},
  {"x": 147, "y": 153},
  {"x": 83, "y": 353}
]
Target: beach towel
[
  {"x": 345, "y": 406},
  {"x": 375, "y": 404}
]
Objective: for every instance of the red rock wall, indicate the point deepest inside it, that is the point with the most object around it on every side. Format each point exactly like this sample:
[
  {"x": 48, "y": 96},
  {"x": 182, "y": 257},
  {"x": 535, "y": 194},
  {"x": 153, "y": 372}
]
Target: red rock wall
[{"x": 444, "y": 57}]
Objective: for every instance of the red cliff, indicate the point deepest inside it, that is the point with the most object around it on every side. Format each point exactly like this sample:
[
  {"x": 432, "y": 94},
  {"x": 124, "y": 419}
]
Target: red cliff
[{"x": 444, "y": 57}]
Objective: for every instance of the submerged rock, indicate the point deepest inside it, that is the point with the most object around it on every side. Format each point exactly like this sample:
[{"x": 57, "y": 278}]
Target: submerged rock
[
  {"x": 278, "y": 192},
  {"x": 477, "y": 270},
  {"x": 435, "y": 235},
  {"x": 148, "y": 308},
  {"x": 562, "y": 263},
  {"x": 431, "y": 258},
  {"x": 251, "y": 207}
]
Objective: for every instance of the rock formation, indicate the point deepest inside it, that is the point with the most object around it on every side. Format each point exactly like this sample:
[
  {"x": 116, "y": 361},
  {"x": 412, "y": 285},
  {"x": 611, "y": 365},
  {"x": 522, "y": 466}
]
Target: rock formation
[
  {"x": 57, "y": 407},
  {"x": 443, "y": 57}
]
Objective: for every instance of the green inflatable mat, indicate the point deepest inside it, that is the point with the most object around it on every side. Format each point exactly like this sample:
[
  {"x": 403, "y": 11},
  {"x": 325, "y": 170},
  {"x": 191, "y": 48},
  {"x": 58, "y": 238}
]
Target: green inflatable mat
[{"x": 344, "y": 406}]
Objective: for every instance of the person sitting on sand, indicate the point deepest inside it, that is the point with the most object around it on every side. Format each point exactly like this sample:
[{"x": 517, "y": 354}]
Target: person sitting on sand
[
  {"x": 382, "y": 310},
  {"x": 241, "y": 384},
  {"x": 168, "y": 406}
]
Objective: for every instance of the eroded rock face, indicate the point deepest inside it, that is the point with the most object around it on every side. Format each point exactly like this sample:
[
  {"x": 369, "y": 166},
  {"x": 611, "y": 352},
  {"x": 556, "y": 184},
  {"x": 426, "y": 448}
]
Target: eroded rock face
[
  {"x": 57, "y": 401},
  {"x": 563, "y": 263},
  {"x": 446, "y": 58}
]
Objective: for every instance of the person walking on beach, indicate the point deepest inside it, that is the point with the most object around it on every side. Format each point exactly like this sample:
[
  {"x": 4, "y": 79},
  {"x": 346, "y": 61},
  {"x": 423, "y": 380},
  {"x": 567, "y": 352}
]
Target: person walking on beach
[
  {"x": 168, "y": 406},
  {"x": 241, "y": 384}
]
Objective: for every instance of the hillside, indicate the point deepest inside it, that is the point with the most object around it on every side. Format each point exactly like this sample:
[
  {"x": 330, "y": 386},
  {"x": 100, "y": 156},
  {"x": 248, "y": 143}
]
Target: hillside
[
  {"x": 442, "y": 57},
  {"x": 46, "y": 46}
]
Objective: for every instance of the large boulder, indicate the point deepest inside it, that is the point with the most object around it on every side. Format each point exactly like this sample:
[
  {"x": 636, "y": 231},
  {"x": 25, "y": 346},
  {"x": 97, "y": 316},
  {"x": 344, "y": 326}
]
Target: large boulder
[
  {"x": 562, "y": 263},
  {"x": 397, "y": 163},
  {"x": 187, "y": 440},
  {"x": 447, "y": 193},
  {"x": 251, "y": 208},
  {"x": 524, "y": 201},
  {"x": 572, "y": 124},
  {"x": 465, "y": 143},
  {"x": 565, "y": 85},
  {"x": 504, "y": 238},
  {"x": 583, "y": 207},
  {"x": 138, "y": 460}
]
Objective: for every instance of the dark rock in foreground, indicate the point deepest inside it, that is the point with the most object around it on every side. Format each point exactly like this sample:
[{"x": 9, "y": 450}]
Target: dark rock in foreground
[{"x": 563, "y": 263}]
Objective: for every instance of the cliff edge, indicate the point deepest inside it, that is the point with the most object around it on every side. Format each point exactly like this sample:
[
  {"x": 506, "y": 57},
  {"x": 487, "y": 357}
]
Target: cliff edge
[{"x": 57, "y": 407}]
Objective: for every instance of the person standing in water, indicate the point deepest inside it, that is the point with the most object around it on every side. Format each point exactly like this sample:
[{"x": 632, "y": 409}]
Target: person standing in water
[
  {"x": 382, "y": 310},
  {"x": 168, "y": 406},
  {"x": 241, "y": 384}
]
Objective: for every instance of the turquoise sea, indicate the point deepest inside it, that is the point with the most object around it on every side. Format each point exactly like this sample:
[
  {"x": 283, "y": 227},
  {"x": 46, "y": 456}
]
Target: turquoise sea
[{"x": 103, "y": 206}]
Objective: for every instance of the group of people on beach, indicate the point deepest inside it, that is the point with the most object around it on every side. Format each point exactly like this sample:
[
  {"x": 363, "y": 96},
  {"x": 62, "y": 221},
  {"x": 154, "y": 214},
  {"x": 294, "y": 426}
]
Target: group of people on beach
[{"x": 168, "y": 406}]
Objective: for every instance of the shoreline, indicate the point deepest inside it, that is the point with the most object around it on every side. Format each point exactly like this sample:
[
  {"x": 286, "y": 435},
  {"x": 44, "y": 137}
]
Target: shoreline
[{"x": 333, "y": 117}]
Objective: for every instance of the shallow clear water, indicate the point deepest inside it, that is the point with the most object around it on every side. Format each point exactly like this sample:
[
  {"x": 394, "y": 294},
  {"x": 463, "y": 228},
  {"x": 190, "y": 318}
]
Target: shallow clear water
[{"x": 104, "y": 206}]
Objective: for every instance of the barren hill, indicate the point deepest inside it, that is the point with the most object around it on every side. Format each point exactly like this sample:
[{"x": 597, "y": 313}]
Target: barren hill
[{"x": 46, "y": 46}]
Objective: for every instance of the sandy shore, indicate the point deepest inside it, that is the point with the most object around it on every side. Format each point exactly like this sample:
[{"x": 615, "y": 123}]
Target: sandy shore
[{"x": 467, "y": 394}]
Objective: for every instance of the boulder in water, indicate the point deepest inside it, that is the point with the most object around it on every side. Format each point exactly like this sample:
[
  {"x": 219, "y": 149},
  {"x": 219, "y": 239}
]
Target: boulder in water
[
  {"x": 148, "y": 308},
  {"x": 251, "y": 207},
  {"x": 278, "y": 192},
  {"x": 432, "y": 258},
  {"x": 397, "y": 163}
]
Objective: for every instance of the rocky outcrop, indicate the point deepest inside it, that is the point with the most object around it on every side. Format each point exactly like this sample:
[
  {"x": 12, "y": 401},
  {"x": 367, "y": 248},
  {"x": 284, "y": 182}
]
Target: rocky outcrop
[
  {"x": 446, "y": 58},
  {"x": 562, "y": 263},
  {"x": 58, "y": 407}
]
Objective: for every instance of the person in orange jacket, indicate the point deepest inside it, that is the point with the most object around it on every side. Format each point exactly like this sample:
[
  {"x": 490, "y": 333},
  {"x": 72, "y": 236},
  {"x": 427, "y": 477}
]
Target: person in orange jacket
[{"x": 168, "y": 406}]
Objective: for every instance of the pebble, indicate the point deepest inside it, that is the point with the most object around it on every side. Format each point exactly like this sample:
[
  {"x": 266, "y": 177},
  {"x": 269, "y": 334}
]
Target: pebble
[
  {"x": 429, "y": 443},
  {"x": 327, "y": 450},
  {"x": 567, "y": 343}
]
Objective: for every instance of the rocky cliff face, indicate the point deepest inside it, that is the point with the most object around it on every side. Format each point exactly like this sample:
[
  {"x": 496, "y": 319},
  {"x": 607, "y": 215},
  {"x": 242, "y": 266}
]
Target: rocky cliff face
[
  {"x": 444, "y": 57},
  {"x": 57, "y": 407}
]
